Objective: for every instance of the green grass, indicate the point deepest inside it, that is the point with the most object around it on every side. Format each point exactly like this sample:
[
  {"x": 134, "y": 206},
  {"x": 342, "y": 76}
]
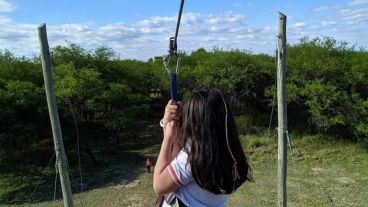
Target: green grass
[{"x": 321, "y": 172}]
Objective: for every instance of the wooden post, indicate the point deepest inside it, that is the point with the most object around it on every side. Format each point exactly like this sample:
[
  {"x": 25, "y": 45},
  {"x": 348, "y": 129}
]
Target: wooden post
[
  {"x": 54, "y": 118},
  {"x": 282, "y": 112}
]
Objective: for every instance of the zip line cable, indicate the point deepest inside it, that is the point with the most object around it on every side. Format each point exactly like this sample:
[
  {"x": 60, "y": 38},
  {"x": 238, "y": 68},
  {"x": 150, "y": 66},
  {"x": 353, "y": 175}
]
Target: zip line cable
[
  {"x": 178, "y": 23},
  {"x": 78, "y": 154},
  {"x": 173, "y": 52},
  {"x": 58, "y": 156},
  {"x": 57, "y": 160},
  {"x": 72, "y": 177},
  {"x": 43, "y": 173},
  {"x": 78, "y": 145},
  {"x": 55, "y": 184}
]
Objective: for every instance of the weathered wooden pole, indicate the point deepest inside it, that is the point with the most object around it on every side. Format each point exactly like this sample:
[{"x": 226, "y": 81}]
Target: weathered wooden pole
[
  {"x": 282, "y": 112},
  {"x": 54, "y": 118}
]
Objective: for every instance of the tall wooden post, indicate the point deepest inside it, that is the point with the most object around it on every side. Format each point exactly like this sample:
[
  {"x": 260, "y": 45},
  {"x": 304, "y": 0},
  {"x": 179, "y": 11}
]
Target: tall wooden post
[
  {"x": 282, "y": 112},
  {"x": 54, "y": 118}
]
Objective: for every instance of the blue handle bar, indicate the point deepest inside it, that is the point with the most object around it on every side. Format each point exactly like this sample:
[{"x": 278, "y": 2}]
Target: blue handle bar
[{"x": 174, "y": 95}]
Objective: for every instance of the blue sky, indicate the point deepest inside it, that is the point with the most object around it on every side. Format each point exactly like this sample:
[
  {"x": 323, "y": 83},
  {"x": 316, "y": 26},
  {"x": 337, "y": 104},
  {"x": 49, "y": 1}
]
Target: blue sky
[{"x": 140, "y": 29}]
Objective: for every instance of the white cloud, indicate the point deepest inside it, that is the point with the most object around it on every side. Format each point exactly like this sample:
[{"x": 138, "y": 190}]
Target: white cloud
[
  {"x": 141, "y": 40},
  {"x": 5, "y": 6},
  {"x": 297, "y": 29},
  {"x": 149, "y": 37},
  {"x": 346, "y": 19},
  {"x": 4, "y": 20},
  {"x": 251, "y": 4},
  {"x": 299, "y": 24},
  {"x": 325, "y": 7},
  {"x": 157, "y": 21},
  {"x": 358, "y": 2},
  {"x": 328, "y": 23},
  {"x": 200, "y": 24},
  {"x": 351, "y": 13},
  {"x": 238, "y": 4},
  {"x": 355, "y": 15}
]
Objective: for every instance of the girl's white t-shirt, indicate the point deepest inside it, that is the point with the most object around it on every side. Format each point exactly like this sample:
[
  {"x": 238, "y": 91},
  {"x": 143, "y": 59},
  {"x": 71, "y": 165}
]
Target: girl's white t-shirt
[{"x": 189, "y": 192}]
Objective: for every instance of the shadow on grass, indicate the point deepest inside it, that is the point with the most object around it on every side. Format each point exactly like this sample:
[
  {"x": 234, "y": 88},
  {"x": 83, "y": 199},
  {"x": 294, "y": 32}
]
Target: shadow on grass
[
  {"x": 20, "y": 191},
  {"x": 115, "y": 167}
]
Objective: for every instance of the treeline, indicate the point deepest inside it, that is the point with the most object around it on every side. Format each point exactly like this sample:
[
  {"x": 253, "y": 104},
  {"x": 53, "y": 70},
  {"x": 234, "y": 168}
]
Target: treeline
[
  {"x": 327, "y": 87},
  {"x": 99, "y": 97}
]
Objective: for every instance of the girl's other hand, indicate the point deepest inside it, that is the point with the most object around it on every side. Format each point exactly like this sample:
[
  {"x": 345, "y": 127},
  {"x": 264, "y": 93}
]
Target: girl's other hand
[{"x": 172, "y": 111}]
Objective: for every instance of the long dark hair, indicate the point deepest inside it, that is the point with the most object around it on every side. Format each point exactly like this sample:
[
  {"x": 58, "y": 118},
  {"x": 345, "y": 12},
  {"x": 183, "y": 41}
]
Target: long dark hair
[{"x": 203, "y": 136}]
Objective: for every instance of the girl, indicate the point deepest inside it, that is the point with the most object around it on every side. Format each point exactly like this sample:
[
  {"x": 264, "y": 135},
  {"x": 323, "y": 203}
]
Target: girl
[{"x": 201, "y": 161}]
